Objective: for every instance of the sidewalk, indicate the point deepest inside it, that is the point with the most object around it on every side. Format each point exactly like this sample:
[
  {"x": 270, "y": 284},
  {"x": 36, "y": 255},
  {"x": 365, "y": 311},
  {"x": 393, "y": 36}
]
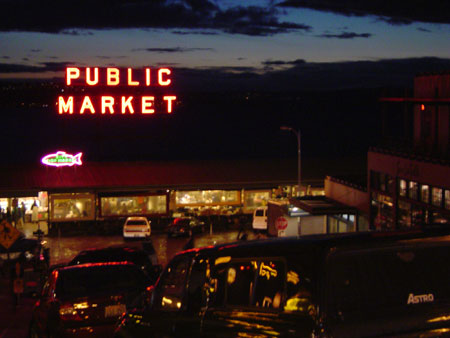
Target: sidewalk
[{"x": 14, "y": 319}]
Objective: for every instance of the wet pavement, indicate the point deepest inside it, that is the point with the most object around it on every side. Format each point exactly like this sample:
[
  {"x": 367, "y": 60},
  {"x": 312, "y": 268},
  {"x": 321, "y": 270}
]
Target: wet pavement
[{"x": 14, "y": 319}]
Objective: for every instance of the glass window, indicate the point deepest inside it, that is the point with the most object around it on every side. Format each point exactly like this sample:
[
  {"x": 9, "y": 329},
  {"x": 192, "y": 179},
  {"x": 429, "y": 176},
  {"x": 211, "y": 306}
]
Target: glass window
[
  {"x": 269, "y": 284},
  {"x": 134, "y": 205},
  {"x": 413, "y": 190},
  {"x": 425, "y": 193},
  {"x": 404, "y": 214},
  {"x": 198, "y": 277},
  {"x": 208, "y": 197},
  {"x": 447, "y": 199},
  {"x": 171, "y": 287},
  {"x": 375, "y": 180},
  {"x": 240, "y": 279},
  {"x": 436, "y": 196},
  {"x": 382, "y": 211},
  {"x": 255, "y": 199},
  {"x": 72, "y": 207},
  {"x": 402, "y": 187}
]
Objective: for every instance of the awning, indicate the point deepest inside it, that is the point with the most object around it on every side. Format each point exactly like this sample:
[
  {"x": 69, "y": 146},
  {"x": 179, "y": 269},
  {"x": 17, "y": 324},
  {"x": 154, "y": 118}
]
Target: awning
[{"x": 321, "y": 205}]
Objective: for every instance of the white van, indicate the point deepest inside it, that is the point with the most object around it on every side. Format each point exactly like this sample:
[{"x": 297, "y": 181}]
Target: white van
[{"x": 260, "y": 219}]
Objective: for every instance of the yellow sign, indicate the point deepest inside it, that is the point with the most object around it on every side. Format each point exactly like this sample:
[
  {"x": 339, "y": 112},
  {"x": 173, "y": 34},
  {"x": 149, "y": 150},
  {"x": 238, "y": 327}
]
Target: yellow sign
[{"x": 8, "y": 234}]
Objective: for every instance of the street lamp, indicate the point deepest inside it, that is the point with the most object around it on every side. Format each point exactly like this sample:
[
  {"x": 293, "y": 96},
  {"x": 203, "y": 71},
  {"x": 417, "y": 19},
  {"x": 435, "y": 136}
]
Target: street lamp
[{"x": 299, "y": 158}]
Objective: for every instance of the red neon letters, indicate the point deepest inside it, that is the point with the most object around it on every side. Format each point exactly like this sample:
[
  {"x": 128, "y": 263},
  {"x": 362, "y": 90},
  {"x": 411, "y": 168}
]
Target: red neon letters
[{"x": 114, "y": 77}]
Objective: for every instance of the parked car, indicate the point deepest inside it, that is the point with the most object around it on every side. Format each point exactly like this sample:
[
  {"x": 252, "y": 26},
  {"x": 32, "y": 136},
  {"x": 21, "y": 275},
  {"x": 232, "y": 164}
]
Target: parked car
[
  {"x": 259, "y": 222},
  {"x": 86, "y": 300},
  {"x": 145, "y": 259},
  {"x": 343, "y": 285},
  {"x": 136, "y": 227},
  {"x": 185, "y": 226}
]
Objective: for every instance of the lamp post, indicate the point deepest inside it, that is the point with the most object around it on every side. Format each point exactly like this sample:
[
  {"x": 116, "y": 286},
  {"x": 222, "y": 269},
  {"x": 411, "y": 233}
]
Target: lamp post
[{"x": 299, "y": 157}]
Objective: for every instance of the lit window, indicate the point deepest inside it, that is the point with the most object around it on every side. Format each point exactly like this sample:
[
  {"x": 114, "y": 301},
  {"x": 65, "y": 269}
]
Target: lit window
[
  {"x": 402, "y": 188},
  {"x": 413, "y": 190},
  {"x": 436, "y": 195},
  {"x": 425, "y": 193}
]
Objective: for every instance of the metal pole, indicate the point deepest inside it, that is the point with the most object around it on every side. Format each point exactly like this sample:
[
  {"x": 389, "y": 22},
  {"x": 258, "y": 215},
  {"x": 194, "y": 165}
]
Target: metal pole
[{"x": 299, "y": 157}]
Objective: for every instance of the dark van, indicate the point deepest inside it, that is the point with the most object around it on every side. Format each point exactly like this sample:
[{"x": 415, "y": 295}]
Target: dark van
[{"x": 356, "y": 285}]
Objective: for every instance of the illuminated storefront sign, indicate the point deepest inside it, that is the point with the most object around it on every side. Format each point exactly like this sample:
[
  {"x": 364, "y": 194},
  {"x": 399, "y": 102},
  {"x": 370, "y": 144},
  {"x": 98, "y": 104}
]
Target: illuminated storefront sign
[
  {"x": 61, "y": 159},
  {"x": 110, "y": 79}
]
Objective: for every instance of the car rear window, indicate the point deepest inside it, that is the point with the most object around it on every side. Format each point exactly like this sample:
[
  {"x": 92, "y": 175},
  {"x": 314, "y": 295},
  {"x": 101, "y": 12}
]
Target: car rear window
[
  {"x": 259, "y": 213},
  {"x": 136, "y": 257},
  {"x": 100, "y": 279},
  {"x": 136, "y": 222},
  {"x": 390, "y": 278}
]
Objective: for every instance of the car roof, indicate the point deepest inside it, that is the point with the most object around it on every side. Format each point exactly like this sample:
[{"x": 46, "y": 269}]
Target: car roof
[
  {"x": 325, "y": 242},
  {"x": 136, "y": 218},
  {"x": 95, "y": 265}
]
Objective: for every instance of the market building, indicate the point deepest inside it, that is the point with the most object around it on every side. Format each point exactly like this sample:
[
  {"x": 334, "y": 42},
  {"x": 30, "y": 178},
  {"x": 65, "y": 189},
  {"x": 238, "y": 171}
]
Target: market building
[{"x": 99, "y": 193}]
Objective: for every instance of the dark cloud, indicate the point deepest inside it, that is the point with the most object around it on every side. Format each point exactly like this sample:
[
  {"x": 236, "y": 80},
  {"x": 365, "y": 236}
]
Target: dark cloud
[
  {"x": 421, "y": 29},
  {"x": 35, "y": 50},
  {"x": 25, "y": 59},
  {"x": 6, "y": 57},
  {"x": 195, "y": 32},
  {"x": 76, "y": 32},
  {"x": 171, "y": 50},
  {"x": 53, "y": 57},
  {"x": 398, "y": 12},
  {"x": 345, "y": 35},
  {"x": 74, "y": 17},
  {"x": 283, "y": 63},
  {"x": 43, "y": 67}
]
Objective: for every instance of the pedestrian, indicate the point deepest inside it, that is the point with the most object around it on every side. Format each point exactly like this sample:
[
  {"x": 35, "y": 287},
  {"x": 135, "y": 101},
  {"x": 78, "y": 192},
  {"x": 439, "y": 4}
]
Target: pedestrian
[{"x": 34, "y": 212}]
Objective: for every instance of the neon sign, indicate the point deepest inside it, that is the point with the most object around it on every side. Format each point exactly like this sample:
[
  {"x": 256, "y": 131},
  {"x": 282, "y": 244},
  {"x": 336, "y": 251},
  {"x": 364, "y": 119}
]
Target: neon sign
[
  {"x": 111, "y": 79},
  {"x": 61, "y": 159}
]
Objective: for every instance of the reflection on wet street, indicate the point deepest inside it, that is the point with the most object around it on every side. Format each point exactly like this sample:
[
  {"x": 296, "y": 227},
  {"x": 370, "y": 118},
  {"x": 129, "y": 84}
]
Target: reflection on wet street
[{"x": 62, "y": 249}]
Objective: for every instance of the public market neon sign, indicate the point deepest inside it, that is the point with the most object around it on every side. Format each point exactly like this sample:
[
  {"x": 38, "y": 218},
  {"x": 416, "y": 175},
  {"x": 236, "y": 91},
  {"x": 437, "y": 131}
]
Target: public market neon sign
[
  {"x": 121, "y": 104},
  {"x": 62, "y": 159}
]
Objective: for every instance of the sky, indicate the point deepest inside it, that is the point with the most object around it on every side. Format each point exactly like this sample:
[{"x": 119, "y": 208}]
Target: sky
[
  {"x": 257, "y": 46},
  {"x": 37, "y": 39}
]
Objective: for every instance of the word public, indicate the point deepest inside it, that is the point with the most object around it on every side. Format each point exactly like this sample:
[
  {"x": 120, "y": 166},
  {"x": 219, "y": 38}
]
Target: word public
[{"x": 114, "y": 77}]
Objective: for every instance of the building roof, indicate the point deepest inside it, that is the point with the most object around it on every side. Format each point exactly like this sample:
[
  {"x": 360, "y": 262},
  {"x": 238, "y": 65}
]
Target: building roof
[
  {"x": 147, "y": 175},
  {"x": 321, "y": 205}
]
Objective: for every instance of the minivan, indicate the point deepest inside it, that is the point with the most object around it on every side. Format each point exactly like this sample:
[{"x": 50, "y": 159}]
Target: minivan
[
  {"x": 340, "y": 285},
  {"x": 260, "y": 219}
]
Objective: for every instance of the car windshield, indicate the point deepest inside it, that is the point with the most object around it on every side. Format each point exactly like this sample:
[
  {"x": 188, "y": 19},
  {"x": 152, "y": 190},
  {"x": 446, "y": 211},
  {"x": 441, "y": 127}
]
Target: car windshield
[
  {"x": 136, "y": 222},
  {"x": 100, "y": 279},
  {"x": 182, "y": 221}
]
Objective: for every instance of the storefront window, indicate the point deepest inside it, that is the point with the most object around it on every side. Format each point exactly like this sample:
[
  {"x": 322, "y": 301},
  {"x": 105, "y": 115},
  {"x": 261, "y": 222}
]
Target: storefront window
[
  {"x": 447, "y": 199},
  {"x": 72, "y": 207},
  {"x": 134, "y": 205},
  {"x": 413, "y": 190},
  {"x": 425, "y": 193},
  {"x": 382, "y": 210},
  {"x": 404, "y": 214},
  {"x": 436, "y": 196},
  {"x": 208, "y": 197},
  {"x": 402, "y": 188},
  {"x": 255, "y": 199}
]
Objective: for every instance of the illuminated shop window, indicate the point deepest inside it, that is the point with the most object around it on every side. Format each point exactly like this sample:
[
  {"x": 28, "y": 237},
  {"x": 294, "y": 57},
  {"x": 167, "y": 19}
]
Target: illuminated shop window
[
  {"x": 72, "y": 207},
  {"x": 404, "y": 214},
  {"x": 436, "y": 196},
  {"x": 255, "y": 199},
  {"x": 134, "y": 205},
  {"x": 382, "y": 211},
  {"x": 413, "y": 190},
  {"x": 402, "y": 188},
  {"x": 447, "y": 199},
  {"x": 207, "y": 197},
  {"x": 425, "y": 193}
]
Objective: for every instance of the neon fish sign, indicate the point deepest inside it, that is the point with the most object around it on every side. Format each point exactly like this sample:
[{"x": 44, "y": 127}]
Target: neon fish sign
[
  {"x": 61, "y": 159},
  {"x": 117, "y": 104}
]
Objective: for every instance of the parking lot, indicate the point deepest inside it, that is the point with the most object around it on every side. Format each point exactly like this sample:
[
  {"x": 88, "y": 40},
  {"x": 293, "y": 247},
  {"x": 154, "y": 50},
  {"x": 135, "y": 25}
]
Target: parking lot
[{"x": 14, "y": 319}]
